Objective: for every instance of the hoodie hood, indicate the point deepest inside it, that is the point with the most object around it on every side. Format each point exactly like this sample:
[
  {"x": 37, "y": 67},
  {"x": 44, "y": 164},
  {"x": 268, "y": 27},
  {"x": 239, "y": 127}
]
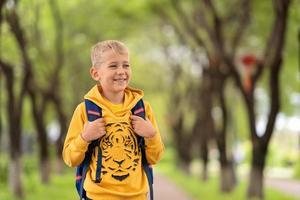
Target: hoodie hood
[{"x": 132, "y": 96}]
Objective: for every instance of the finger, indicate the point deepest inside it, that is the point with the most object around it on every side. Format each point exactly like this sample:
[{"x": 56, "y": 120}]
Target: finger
[
  {"x": 103, "y": 132},
  {"x": 135, "y": 117},
  {"x": 101, "y": 124},
  {"x": 101, "y": 120},
  {"x": 102, "y": 129}
]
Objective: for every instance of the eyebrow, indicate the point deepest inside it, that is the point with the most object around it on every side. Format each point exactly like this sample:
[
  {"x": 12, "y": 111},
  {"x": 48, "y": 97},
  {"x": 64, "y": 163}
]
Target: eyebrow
[{"x": 127, "y": 62}]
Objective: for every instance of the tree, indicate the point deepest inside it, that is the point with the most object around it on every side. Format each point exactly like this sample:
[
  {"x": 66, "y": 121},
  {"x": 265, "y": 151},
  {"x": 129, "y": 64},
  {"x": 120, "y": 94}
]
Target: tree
[
  {"x": 187, "y": 27},
  {"x": 15, "y": 100},
  {"x": 53, "y": 93},
  {"x": 220, "y": 34},
  {"x": 272, "y": 62}
]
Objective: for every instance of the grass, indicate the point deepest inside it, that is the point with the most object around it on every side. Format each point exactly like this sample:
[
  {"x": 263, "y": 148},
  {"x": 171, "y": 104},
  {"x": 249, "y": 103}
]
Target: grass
[
  {"x": 59, "y": 187},
  {"x": 62, "y": 186}
]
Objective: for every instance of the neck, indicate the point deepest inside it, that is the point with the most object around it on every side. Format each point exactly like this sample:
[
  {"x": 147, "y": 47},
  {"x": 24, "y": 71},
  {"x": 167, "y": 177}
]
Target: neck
[{"x": 115, "y": 98}]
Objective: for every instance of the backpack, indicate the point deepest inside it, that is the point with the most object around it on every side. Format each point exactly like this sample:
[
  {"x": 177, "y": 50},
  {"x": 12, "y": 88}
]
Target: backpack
[{"x": 94, "y": 112}]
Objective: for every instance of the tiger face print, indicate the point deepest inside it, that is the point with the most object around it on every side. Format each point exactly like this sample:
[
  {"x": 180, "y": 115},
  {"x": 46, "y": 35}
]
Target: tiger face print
[{"x": 120, "y": 152}]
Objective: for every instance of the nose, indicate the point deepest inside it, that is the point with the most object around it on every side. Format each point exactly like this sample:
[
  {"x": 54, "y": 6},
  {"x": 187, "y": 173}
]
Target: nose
[{"x": 120, "y": 70}]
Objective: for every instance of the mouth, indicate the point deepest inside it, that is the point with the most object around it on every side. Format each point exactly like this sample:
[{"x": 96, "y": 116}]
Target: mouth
[{"x": 120, "y": 80}]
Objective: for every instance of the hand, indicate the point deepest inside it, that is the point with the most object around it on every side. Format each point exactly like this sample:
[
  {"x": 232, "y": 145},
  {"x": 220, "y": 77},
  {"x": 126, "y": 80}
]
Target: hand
[
  {"x": 93, "y": 130},
  {"x": 142, "y": 127}
]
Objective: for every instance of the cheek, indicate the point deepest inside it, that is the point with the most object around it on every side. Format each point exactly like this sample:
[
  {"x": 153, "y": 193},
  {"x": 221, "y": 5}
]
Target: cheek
[
  {"x": 105, "y": 76},
  {"x": 108, "y": 81},
  {"x": 129, "y": 73}
]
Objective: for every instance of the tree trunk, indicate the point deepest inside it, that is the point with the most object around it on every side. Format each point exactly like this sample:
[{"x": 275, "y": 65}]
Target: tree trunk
[
  {"x": 38, "y": 115},
  {"x": 15, "y": 171},
  {"x": 44, "y": 157},
  {"x": 184, "y": 154},
  {"x": 256, "y": 186},
  {"x": 14, "y": 113},
  {"x": 228, "y": 178},
  {"x": 205, "y": 124},
  {"x": 45, "y": 170},
  {"x": 204, "y": 175},
  {"x": 181, "y": 141},
  {"x": 60, "y": 141},
  {"x": 202, "y": 137}
]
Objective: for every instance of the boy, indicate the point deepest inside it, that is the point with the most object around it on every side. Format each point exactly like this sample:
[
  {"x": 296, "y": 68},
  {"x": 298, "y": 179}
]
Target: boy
[{"x": 122, "y": 173}]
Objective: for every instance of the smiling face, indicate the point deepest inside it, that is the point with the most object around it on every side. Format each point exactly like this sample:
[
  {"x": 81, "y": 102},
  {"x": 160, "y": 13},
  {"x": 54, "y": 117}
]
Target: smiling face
[{"x": 113, "y": 71}]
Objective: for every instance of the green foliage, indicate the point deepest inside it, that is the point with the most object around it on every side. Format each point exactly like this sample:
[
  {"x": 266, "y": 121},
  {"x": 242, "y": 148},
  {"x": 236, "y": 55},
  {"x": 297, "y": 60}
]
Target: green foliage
[
  {"x": 297, "y": 170},
  {"x": 3, "y": 169}
]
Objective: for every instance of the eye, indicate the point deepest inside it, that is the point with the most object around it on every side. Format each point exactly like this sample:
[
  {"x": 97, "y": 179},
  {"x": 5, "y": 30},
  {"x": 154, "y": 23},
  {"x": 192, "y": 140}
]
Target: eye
[
  {"x": 126, "y": 65},
  {"x": 113, "y": 66}
]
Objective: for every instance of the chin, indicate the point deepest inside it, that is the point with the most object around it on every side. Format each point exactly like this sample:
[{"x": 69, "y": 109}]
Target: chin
[{"x": 120, "y": 89}]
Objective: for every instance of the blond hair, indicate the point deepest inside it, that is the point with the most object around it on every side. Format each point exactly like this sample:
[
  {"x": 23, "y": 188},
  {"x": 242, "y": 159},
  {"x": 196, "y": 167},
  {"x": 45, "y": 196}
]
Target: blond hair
[{"x": 101, "y": 47}]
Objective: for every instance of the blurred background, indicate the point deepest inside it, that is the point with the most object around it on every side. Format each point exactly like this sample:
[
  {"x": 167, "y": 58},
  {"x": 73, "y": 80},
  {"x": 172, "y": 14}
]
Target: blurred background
[{"x": 223, "y": 78}]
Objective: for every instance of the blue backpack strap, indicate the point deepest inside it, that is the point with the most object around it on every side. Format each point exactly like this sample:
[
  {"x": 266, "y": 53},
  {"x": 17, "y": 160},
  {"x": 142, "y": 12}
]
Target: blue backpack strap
[
  {"x": 139, "y": 110},
  {"x": 93, "y": 112}
]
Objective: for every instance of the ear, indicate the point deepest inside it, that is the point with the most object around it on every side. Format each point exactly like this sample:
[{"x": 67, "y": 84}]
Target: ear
[{"x": 94, "y": 74}]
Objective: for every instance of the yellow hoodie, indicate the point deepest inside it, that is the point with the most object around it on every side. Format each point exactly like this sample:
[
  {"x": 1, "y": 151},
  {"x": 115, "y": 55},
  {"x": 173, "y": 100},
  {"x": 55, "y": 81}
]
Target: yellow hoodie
[{"x": 122, "y": 175}]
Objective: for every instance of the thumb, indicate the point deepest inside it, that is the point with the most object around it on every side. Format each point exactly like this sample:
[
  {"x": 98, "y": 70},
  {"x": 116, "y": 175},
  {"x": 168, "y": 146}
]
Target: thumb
[{"x": 134, "y": 117}]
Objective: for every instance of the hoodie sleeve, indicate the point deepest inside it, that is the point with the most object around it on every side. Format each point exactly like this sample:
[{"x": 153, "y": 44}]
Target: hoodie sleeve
[
  {"x": 74, "y": 146},
  {"x": 154, "y": 146}
]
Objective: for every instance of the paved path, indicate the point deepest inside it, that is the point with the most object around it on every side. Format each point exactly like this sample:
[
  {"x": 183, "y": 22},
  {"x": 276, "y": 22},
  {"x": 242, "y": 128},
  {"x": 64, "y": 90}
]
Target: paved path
[
  {"x": 164, "y": 189},
  {"x": 291, "y": 187}
]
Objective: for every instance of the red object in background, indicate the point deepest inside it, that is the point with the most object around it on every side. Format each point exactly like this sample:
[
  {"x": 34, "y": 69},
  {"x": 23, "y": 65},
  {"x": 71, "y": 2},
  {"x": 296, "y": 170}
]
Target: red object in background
[
  {"x": 249, "y": 60},
  {"x": 247, "y": 84}
]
